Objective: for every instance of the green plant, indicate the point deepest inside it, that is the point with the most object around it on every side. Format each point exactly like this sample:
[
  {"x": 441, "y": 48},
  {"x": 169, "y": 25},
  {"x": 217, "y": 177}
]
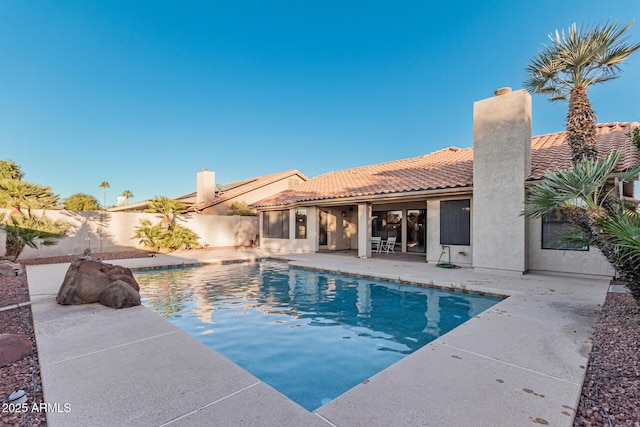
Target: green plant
[
  {"x": 159, "y": 239},
  {"x": 149, "y": 235},
  {"x": 590, "y": 202},
  {"x": 166, "y": 236},
  {"x": 179, "y": 238},
  {"x": 574, "y": 61},
  {"x": 31, "y": 231},
  {"x": 241, "y": 208},
  {"x": 19, "y": 195},
  {"x": 81, "y": 202},
  {"x": 23, "y": 228},
  {"x": 624, "y": 231},
  {"x": 635, "y": 136},
  {"x": 168, "y": 208},
  {"x": 9, "y": 170}
]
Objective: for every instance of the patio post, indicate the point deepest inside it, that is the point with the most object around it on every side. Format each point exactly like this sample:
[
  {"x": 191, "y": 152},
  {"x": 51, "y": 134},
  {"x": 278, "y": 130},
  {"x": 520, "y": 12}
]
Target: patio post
[{"x": 364, "y": 230}]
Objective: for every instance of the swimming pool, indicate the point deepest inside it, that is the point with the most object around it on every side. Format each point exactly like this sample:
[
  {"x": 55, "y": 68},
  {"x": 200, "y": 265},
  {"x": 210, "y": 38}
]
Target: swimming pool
[{"x": 310, "y": 335}]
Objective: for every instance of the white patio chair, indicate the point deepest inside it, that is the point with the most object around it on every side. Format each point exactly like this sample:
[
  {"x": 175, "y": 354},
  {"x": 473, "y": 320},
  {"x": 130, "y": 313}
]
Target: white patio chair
[
  {"x": 389, "y": 245},
  {"x": 376, "y": 244}
]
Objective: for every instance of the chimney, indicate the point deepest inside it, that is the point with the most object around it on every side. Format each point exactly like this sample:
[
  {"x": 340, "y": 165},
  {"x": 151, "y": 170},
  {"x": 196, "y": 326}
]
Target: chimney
[
  {"x": 206, "y": 186},
  {"x": 501, "y": 164}
]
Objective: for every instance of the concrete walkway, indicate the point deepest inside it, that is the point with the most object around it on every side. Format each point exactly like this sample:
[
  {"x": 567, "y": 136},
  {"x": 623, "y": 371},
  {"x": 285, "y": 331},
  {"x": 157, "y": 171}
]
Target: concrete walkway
[{"x": 520, "y": 363}]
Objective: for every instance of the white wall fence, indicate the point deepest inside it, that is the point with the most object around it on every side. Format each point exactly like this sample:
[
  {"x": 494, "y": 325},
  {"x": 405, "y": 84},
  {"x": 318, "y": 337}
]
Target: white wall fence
[{"x": 114, "y": 231}]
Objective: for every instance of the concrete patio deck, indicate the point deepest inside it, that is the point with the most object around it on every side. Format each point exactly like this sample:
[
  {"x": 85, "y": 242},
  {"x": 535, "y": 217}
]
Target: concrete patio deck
[{"x": 522, "y": 362}]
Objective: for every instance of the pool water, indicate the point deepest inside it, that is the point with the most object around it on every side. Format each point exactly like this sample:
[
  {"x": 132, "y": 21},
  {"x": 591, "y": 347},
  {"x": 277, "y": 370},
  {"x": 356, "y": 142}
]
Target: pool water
[{"x": 310, "y": 335}]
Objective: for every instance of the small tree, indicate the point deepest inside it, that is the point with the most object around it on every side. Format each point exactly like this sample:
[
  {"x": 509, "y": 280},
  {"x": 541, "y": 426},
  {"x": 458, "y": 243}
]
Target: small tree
[
  {"x": 23, "y": 228},
  {"x": 30, "y": 231},
  {"x": 166, "y": 236},
  {"x": 168, "y": 208},
  {"x": 20, "y": 195},
  {"x": 9, "y": 170},
  {"x": 241, "y": 208},
  {"x": 81, "y": 202}
]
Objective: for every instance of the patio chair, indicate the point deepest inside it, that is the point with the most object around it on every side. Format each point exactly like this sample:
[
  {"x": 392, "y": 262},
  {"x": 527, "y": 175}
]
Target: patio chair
[
  {"x": 388, "y": 245},
  {"x": 376, "y": 244}
]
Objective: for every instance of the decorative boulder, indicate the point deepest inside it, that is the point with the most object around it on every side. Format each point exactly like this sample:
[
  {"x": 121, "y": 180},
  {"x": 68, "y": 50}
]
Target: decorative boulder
[
  {"x": 8, "y": 268},
  {"x": 119, "y": 294},
  {"x": 86, "y": 279},
  {"x": 13, "y": 348}
]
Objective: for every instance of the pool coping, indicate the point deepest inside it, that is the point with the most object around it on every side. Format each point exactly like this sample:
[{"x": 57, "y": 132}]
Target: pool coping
[{"x": 536, "y": 382}]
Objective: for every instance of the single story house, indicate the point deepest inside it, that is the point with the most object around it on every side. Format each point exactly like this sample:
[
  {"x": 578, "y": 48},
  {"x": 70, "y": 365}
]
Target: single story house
[
  {"x": 457, "y": 205},
  {"x": 210, "y": 198}
]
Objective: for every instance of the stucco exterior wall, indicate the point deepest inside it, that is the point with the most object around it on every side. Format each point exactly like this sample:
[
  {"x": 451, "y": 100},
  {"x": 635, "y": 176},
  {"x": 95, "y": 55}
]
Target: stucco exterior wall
[
  {"x": 113, "y": 231},
  {"x": 310, "y": 244},
  {"x": 501, "y": 164},
  {"x": 576, "y": 262}
]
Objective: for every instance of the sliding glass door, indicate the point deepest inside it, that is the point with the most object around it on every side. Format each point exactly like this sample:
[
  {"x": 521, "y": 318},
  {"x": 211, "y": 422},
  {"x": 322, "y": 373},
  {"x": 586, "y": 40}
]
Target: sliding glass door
[{"x": 416, "y": 230}]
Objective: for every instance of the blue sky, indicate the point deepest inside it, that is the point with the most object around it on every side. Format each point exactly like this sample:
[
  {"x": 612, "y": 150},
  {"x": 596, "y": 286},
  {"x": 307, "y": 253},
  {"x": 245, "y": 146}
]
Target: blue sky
[{"x": 144, "y": 94}]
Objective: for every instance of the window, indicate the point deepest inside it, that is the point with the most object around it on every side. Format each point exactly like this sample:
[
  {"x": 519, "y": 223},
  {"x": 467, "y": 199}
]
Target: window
[
  {"x": 555, "y": 225},
  {"x": 301, "y": 223},
  {"x": 455, "y": 222},
  {"x": 275, "y": 224}
]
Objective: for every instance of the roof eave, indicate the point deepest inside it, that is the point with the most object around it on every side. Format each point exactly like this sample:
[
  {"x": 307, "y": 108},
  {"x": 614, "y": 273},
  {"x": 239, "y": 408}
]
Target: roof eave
[{"x": 375, "y": 199}]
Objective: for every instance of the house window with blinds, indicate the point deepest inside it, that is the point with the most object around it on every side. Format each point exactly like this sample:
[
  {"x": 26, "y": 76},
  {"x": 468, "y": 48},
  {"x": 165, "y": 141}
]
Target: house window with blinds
[
  {"x": 558, "y": 232},
  {"x": 275, "y": 224}
]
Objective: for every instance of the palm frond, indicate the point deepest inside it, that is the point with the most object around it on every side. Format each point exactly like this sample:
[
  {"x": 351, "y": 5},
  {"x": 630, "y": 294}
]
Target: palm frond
[
  {"x": 625, "y": 231},
  {"x": 580, "y": 187},
  {"x": 579, "y": 57}
]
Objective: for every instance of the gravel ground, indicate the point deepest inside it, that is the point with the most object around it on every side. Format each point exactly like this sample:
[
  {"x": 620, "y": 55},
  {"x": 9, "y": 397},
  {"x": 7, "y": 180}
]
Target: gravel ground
[
  {"x": 610, "y": 394},
  {"x": 611, "y": 389}
]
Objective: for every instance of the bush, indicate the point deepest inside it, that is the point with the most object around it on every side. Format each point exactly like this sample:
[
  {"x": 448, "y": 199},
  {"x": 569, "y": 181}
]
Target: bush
[{"x": 159, "y": 239}]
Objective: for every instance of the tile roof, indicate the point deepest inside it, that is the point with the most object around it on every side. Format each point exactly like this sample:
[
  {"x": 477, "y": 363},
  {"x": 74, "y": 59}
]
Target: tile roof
[
  {"x": 223, "y": 191},
  {"x": 237, "y": 188},
  {"x": 551, "y": 152},
  {"x": 447, "y": 168}
]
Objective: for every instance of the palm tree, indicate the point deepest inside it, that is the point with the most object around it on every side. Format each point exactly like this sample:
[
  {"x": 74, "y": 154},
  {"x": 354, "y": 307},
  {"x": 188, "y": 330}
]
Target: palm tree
[
  {"x": 569, "y": 65},
  {"x": 24, "y": 228},
  {"x": 32, "y": 231},
  {"x": 168, "y": 208},
  {"x": 166, "y": 235},
  {"x": 127, "y": 194},
  {"x": 105, "y": 185},
  {"x": 18, "y": 195},
  {"x": 584, "y": 193}
]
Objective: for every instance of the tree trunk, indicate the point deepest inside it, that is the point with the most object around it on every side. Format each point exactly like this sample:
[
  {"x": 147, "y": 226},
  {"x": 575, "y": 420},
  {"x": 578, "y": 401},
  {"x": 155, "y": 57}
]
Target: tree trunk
[
  {"x": 13, "y": 248},
  {"x": 581, "y": 126}
]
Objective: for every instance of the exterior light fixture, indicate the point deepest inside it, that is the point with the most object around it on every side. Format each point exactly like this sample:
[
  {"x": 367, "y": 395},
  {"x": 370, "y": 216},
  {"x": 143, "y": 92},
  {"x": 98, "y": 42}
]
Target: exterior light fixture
[{"x": 18, "y": 397}]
